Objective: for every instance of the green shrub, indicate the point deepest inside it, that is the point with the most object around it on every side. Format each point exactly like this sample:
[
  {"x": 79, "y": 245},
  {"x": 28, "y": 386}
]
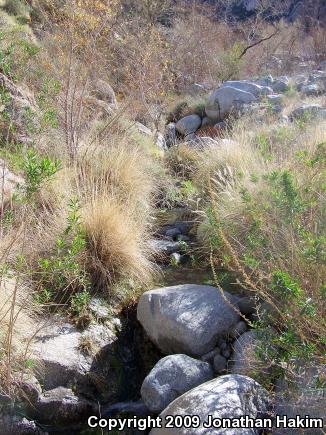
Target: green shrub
[
  {"x": 60, "y": 276},
  {"x": 37, "y": 170}
]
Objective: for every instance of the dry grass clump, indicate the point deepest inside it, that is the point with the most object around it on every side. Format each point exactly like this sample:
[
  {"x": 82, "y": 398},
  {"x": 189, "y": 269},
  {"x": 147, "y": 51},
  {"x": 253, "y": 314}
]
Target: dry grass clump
[
  {"x": 117, "y": 186},
  {"x": 124, "y": 170},
  {"x": 116, "y": 242}
]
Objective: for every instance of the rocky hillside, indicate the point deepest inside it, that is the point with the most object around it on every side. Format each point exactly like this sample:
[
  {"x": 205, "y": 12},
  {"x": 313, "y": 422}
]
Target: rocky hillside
[{"x": 162, "y": 221}]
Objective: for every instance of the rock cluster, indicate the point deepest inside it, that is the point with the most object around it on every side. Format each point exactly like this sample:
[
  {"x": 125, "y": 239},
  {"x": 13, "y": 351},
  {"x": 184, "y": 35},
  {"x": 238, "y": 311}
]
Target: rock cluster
[{"x": 235, "y": 97}]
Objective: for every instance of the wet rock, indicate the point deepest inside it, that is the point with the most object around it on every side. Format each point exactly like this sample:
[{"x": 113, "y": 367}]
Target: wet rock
[
  {"x": 166, "y": 247},
  {"x": 209, "y": 357},
  {"x": 61, "y": 406},
  {"x": 229, "y": 396},
  {"x": 219, "y": 363},
  {"x": 134, "y": 408},
  {"x": 171, "y": 377},
  {"x": 186, "y": 318},
  {"x": 173, "y": 233}
]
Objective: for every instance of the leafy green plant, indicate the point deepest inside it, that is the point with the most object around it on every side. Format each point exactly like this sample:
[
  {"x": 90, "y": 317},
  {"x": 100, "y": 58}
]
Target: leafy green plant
[
  {"x": 61, "y": 275},
  {"x": 37, "y": 170},
  {"x": 16, "y": 52}
]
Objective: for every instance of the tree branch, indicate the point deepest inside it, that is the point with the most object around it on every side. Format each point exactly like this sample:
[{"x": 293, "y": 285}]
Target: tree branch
[{"x": 257, "y": 43}]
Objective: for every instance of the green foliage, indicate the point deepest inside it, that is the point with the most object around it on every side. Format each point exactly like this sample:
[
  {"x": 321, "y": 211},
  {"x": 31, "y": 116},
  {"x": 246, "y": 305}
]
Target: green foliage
[
  {"x": 285, "y": 287},
  {"x": 79, "y": 303},
  {"x": 285, "y": 194},
  {"x": 61, "y": 275},
  {"x": 276, "y": 245},
  {"x": 50, "y": 88},
  {"x": 15, "y": 53},
  {"x": 37, "y": 170}
]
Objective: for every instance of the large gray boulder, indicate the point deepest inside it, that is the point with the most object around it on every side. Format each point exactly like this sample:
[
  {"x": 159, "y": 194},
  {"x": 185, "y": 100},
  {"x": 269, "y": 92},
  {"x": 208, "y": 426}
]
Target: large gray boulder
[
  {"x": 186, "y": 318},
  {"x": 58, "y": 352},
  {"x": 247, "y": 86},
  {"x": 171, "y": 377},
  {"x": 188, "y": 125},
  {"x": 230, "y": 396},
  {"x": 61, "y": 406},
  {"x": 226, "y": 99}
]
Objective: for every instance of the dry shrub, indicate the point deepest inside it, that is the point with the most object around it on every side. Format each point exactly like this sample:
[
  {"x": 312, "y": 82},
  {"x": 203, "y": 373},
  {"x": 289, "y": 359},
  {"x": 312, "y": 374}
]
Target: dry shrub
[{"x": 203, "y": 48}]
